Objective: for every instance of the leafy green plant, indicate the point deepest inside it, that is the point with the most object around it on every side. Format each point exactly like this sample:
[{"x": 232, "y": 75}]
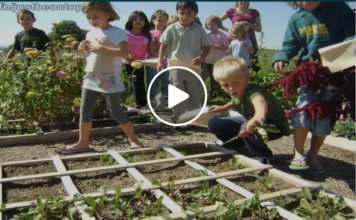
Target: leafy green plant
[
  {"x": 318, "y": 205},
  {"x": 345, "y": 129},
  {"x": 206, "y": 193},
  {"x": 232, "y": 164},
  {"x": 128, "y": 158},
  {"x": 265, "y": 179},
  {"x": 107, "y": 159},
  {"x": 50, "y": 208}
]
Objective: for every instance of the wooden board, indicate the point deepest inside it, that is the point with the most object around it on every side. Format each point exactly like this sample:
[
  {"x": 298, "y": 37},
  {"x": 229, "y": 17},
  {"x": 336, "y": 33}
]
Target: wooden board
[
  {"x": 167, "y": 201},
  {"x": 93, "y": 169},
  {"x": 71, "y": 188},
  {"x": 64, "y": 135},
  {"x": 232, "y": 186}
]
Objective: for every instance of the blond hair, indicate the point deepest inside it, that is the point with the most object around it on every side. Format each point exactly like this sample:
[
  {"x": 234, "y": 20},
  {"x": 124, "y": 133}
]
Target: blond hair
[
  {"x": 215, "y": 19},
  {"x": 240, "y": 28},
  {"x": 102, "y": 6},
  {"x": 228, "y": 66},
  {"x": 172, "y": 19}
]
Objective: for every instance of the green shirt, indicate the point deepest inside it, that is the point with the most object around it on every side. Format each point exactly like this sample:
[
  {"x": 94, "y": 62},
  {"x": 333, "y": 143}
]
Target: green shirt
[
  {"x": 310, "y": 30},
  {"x": 184, "y": 43},
  {"x": 275, "y": 113}
]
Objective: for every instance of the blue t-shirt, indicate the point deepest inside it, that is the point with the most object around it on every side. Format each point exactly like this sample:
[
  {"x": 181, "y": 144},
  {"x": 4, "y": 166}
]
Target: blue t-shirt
[{"x": 237, "y": 50}]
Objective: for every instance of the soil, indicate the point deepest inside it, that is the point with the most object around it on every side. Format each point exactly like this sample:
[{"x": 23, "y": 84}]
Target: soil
[{"x": 338, "y": 163}]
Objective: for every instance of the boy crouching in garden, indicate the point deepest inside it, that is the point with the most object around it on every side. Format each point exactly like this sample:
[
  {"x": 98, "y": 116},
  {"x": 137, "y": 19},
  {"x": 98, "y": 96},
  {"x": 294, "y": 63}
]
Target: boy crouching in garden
[{"x": 255, "y": 103}]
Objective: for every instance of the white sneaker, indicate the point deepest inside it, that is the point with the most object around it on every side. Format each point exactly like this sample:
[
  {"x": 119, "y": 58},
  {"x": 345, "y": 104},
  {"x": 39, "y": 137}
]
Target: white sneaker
[{"x": 145, "y": 109}]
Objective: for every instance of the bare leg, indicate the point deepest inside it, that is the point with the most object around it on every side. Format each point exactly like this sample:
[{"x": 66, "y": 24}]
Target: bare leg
[
  {"x": 129, "y": 131},
  {"x": 315, "y": 144},
  {"x": 84, "y": 133},
  {"x": 300, "y": 135}
]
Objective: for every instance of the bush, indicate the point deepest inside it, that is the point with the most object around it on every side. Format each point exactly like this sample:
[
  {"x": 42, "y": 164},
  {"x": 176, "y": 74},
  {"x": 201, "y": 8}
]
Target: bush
[
  {"x": 345, "y": 129},
  {"x": 43, "y": 87}
]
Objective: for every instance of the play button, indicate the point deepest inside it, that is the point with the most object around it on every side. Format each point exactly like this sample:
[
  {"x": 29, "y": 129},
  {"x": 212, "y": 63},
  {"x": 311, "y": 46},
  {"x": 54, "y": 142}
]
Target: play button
[
  {"x": 184, "y": 95},
  {"x": 175, "y": 96}
]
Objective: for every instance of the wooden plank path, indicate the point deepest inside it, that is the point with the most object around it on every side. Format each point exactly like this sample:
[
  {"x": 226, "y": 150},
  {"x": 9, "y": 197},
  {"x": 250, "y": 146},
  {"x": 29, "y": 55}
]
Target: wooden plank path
[{"x": 176, "y": 210}]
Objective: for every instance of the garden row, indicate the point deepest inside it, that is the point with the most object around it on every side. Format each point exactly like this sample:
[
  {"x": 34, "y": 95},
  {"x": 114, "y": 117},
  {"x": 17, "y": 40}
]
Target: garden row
[{"x": 170, "y": 182}]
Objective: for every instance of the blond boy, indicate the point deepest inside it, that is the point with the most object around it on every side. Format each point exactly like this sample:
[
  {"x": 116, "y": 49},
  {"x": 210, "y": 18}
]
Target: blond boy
[{"x": 255, "y": 103}]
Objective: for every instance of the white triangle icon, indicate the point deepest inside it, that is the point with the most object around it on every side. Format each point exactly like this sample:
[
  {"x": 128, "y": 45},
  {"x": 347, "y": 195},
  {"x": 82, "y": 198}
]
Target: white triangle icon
[{"x": 175, "y": 96}]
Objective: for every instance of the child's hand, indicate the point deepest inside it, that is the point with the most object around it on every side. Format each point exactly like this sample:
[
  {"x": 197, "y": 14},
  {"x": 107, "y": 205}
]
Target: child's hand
[
  {"x": 84, "y": 45},
  {"x": 198, "y": 60},
  {"x": 252, "y": 125},
  {"x": 216, "y": 108},
  {"x": 279, "y": 66},
  {"x": 159, "y": 66},
  {"x": 96, "y": 45}
]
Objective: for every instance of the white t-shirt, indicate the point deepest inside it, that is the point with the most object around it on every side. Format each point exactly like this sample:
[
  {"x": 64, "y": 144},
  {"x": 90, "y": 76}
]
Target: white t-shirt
[{"x": 103, "y": 71}]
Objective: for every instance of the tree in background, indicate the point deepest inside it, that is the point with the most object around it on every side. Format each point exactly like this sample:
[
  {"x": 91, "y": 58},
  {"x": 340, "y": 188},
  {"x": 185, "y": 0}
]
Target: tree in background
[{"x": 66, "y": 27}]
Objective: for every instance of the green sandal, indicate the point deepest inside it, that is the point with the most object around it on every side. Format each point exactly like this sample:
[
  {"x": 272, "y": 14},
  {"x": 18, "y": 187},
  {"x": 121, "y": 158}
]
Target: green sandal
[{"x": 299, "y": 159}]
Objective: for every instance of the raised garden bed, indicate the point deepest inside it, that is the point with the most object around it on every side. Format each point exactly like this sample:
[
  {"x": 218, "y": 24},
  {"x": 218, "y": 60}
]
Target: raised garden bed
[{"x": 151, "y": 182}]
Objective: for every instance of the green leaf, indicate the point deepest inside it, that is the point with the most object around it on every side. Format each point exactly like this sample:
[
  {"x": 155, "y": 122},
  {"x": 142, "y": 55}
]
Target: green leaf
[
  {"x": 306, "y": 193},
  {"x": 193, "y": 207},
  {"x": 118, "y": 192},
  {"x": 90, "y": 211},
  {"x": 91, "y": 202},
  {"x": 2, "y": 207},
  {"x": 304, "y": 209},
  {"x": 337, "y": 216},
  {"x": 221, "y": 210},
  {"x": 73, "y": 213},
  {"x": 165, "y": 214},
  {"x": 272, "y": 213},
  {"x": 157, "y": 183}
]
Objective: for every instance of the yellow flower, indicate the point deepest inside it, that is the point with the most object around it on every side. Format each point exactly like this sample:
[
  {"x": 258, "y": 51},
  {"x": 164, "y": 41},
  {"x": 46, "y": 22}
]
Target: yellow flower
[
  {"x": 77, "y": 102},
  {"x": 29, "y": 95},
  {"x": 75, "y": 44},
  {"x": 32, "y": 53},
  {"x": 51, "y": 69},
  {"x": 136, "y": 65},
  {"x": 28, "y": 49},
  {"x": 129, "y": 56}
]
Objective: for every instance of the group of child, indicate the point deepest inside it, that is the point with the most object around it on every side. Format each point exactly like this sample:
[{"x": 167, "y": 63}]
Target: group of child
[{"x": 313, "y": 26}]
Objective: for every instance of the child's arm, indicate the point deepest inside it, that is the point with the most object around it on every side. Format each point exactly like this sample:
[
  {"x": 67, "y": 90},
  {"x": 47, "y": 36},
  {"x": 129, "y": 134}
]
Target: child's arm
[
  {"x": 248, "y": 47},
  {"x": 152, "y": 48},
  {"x": 261, "y": 109},
  {"x": 221, "y": 108},
  {"x": 9, "y": 55},
  {"x": 200, "y": 59},
  {"x": 220, "y": 47},
  {"x": 161, "y": 54},
  {"x": 121, "y": 51}
]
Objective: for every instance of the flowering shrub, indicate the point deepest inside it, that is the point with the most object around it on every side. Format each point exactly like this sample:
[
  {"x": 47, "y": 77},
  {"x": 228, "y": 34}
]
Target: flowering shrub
[{"x": 43, "y": 87}]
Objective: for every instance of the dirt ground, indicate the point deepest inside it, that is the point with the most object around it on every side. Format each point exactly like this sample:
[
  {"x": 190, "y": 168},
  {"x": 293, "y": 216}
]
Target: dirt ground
[{"x": 339, "y": 164}]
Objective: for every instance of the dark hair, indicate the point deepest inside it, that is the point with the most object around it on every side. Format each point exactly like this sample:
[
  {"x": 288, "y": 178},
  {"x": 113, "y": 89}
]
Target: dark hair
[
  {"x": 156, "y": 14},
  {"x": 102, "y": 6},
  {"x": 184, "y": 5},
  {"x": 146, "y": 27},
  {"x": 294, "y": 5},
  {"x": 24, "y": 11},
  {"x": 237, "y": 3}
]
